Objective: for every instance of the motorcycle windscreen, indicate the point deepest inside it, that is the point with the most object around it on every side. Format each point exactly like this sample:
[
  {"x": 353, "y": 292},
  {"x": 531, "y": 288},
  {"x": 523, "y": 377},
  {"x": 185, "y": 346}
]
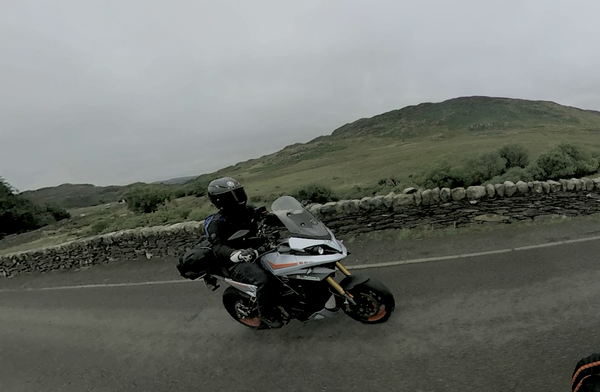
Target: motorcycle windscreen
[{"x": 298, "y": 220}]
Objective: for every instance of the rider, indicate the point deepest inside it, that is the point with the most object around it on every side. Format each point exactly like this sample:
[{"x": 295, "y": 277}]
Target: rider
[{"x": 228, "y": 195}]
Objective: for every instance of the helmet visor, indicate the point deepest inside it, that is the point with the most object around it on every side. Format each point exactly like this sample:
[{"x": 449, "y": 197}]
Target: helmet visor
[
  {"x": 239, "y": 195},
  {"x": 233, "y": 198}
]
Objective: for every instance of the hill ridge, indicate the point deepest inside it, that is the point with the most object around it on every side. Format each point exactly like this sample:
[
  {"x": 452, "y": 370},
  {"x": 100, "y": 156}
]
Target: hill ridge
[{"x": 459, "y": 119}]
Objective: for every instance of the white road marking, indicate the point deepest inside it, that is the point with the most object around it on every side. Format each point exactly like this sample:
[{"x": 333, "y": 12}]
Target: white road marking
[
  {"x": 426, "y": 260},
  {"x": 352, "y": 267},
  {"x": 95, "y": 286},
  {"x": 492, "y": 252}
]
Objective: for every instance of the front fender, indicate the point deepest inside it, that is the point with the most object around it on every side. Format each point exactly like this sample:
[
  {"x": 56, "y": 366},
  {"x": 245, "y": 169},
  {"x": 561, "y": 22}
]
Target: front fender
[{"x": 349, "y": 282}]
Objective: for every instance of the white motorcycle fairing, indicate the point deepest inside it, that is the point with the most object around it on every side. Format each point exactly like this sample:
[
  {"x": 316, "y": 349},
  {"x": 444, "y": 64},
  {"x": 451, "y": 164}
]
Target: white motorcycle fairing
[
  {"x": 243, "y": 287},
  {"x": 309, "y": 254},
  {"x": 295, "y": 259}
]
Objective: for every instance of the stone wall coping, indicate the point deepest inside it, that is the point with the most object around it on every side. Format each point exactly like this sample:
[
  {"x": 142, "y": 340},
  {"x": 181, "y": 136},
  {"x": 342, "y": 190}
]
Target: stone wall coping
[{"x": 443, "y": 207}]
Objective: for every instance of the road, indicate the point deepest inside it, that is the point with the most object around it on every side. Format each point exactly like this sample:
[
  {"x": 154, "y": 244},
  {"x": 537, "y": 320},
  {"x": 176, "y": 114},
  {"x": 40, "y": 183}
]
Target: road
[{"x": 510, "y": 321}]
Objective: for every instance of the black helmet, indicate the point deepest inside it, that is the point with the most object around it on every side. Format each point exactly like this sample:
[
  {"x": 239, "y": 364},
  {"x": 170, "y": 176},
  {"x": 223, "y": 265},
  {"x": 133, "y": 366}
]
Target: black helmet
[{"x": 227, "y": 193}]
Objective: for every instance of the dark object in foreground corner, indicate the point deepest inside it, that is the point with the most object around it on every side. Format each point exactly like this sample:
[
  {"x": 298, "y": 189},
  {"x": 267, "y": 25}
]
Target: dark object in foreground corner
[{"x": 586, "y": 376}]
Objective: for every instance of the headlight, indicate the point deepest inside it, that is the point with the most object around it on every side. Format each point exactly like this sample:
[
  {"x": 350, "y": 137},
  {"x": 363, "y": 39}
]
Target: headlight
[{"x": 321, "y": 250}]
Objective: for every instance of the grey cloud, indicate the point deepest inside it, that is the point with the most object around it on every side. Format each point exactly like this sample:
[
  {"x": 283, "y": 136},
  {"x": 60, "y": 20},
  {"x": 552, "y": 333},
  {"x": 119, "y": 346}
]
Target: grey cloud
[{"x": 142, "y": 90}]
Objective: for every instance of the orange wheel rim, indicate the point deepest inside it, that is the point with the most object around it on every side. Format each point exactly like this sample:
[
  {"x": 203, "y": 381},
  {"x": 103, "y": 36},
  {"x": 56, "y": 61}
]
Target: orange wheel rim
[
  {"x": 379, "y": 315},
  {"x": 251, "y": 321}
]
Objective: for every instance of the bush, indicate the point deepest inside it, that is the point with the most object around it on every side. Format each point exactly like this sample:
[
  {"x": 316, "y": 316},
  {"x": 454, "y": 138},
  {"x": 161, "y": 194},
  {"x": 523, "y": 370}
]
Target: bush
[
  {"x": 316, "y": 193},
  {"x": 513, "y": 174},
  {"x": 439, "y": 174},
  {"x": 564, "y": 160},
  {"x": 183, "y": 212},
  {"x": 515, "y": 154},
  {"x": 146, "y": 199},
  {"x": 19, "y": 214},
  {"x": 57, "y": 212},
  {"x": 481, "y": 168},
  {"x": 98, "y": 227},
  {"x": 197, "y": 188},
  {"x": 179, "y": 193}
]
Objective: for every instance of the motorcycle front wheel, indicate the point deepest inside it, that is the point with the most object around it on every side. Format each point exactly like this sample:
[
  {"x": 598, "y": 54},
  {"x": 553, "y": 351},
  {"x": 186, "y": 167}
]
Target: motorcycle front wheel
[
  {"x": 374, "y": 303},
  {"x": 241, "y": 307}
]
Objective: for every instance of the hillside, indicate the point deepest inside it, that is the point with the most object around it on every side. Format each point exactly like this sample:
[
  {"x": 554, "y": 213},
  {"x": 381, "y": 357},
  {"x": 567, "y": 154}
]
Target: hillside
[
  {"x": 473, "y": 114},
  {"x": 178, "y": 180},
  {"x": 392, "y": 144},
  {"x": 75, "y": 195},
  {"x": 401, "y": 142}
]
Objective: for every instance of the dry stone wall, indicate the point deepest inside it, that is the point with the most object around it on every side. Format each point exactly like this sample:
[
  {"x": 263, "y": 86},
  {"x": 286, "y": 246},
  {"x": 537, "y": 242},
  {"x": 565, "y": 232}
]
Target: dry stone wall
[{"x": 436, "y": 208}]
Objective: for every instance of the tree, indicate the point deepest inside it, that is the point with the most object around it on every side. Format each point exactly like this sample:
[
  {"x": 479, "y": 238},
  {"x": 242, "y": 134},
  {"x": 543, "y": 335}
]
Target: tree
[
  {"x": 18, "y": 214},
  {"x": 482, "y": 167},
  {"x": 514, "y": 174},
  {"x": 515, "y": 154},
  {"x": 146, "y": 199},
  {"x": 316, "y": 193},
  {"x": 439, "y": 174},
  {"x": 564, "y": 160}
]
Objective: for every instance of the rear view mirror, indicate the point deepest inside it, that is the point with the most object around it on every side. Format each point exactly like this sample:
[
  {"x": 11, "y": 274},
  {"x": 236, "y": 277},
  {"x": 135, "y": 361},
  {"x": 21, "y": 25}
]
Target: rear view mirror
[{"x": 239, "y": 234}]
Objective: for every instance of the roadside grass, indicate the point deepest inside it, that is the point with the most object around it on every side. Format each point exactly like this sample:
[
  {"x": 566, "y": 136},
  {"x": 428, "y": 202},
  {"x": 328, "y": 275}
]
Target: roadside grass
[{"x": 48, "y": 239}]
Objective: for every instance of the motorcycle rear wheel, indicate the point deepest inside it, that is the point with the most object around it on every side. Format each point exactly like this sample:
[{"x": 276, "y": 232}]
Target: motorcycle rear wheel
[
  {"x": 374, "y": 303},
  {"x": 242, "y": 308}
]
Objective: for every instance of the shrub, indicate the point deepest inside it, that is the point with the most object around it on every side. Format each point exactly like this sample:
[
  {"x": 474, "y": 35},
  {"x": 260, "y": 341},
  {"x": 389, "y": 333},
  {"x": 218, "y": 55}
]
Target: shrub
[
  {"x": 439, "y": 174},
  {"x": 19, "y": 214},
  {"x": 200, "y": 213},
  {"x": 564, "y": 160},
  {"x": 515, "y": 154},
  {"x": 98, "y": 227},
  {"x": 179, "y": 193},
  {"x": 482, "y": 167},
  {"x": 316, "y": 193},
  {"x": 513, "y": 174},
  {"x": 183, "y": 212},
  {"x": 197, "y": 188},
  {"x": 356, "y": 192},
  {"x": 146, "y": 199},
  {"x": 57, "y": 212}
]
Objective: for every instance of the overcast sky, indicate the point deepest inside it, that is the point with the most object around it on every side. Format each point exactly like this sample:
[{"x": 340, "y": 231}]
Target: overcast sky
[{"x": 118, "y": 91}]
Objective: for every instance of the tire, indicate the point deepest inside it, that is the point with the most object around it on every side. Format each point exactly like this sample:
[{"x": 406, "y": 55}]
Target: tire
[
  {"x": 374, "y": 303},
  {"x": 237, "y": 303}
]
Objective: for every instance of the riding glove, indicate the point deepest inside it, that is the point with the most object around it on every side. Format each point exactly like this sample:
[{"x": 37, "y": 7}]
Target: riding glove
[{"x": 243, "y": 255}]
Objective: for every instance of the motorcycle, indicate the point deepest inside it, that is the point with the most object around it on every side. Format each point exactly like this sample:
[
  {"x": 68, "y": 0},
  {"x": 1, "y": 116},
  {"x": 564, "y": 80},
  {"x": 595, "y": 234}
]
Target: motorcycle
[{"x": 304, "y": 263}]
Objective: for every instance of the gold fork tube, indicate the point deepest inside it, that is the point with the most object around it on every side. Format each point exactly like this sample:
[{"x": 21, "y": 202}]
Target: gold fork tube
[
  {"x": 342, "y": 268},
  {"x": 336, "y": 285}
]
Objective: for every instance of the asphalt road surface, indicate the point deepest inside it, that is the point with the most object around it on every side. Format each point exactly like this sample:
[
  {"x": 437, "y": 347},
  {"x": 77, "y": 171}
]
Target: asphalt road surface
[{"x": 515, "y": 320}]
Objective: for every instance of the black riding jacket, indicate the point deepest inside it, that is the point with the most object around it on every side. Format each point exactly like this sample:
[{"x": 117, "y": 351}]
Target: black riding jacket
[{"x": 225, "y": 223}]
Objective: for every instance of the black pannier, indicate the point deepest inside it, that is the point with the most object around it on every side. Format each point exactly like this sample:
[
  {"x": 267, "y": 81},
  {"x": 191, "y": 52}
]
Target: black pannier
[{"x": 196, "y": 262}]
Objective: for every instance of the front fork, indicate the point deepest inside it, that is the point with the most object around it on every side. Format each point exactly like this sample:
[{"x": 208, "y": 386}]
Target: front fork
[{"x": 347, "y": 296}]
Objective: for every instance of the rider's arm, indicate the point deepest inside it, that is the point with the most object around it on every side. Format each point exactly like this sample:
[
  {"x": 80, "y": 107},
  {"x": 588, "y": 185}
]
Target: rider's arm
[{"x": 218, "y": 233}]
